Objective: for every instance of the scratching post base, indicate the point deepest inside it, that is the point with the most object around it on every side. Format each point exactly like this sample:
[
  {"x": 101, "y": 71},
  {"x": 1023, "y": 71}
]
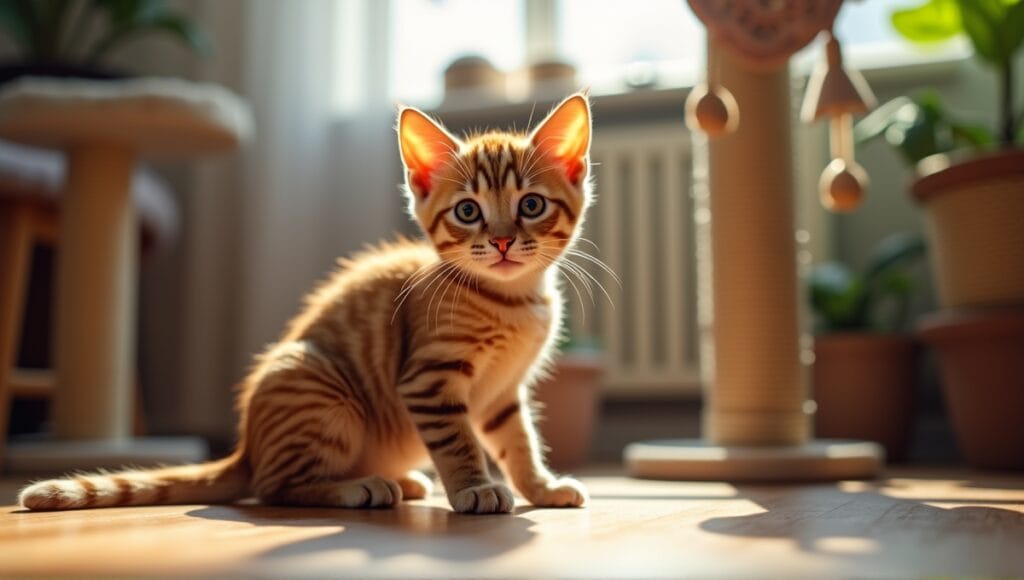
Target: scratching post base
[{"x": 697, "y": 460}]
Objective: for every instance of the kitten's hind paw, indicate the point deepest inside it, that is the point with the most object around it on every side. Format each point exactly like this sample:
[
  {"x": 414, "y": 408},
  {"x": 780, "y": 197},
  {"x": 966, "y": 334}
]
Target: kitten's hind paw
[
  {"x": 561, "y": 492},
  {"x": 415, "y": 485},
  {"x": 490, "y": 498},
  {"x": 370, "y": 492}
]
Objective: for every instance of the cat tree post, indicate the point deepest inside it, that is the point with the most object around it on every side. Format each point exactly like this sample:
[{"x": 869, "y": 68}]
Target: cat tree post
[
  {"x": 758, "y": 393},
  {"x": 755, "y": 424}
]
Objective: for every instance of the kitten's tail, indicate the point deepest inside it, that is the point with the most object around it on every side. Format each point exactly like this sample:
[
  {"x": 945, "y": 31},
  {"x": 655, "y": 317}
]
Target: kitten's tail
[{"x": 220, "y": 481}]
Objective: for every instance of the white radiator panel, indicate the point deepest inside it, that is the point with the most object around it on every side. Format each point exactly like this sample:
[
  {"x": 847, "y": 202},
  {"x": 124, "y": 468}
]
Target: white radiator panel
[{"x": 642, "y": 223}]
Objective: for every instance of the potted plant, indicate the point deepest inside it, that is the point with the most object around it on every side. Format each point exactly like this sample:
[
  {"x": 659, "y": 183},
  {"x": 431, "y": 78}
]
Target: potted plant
[
  {"x": 969, "y": 179},
  {"x": 865, "y": 363},
  {"x": 569, "y": 399},
  {"x": 71, "y": 38},
  {"x": 970, "y": 182}
]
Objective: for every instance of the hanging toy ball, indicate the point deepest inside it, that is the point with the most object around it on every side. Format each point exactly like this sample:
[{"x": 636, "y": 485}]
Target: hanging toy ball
[
  {"x": 842, "y": 186},
  {"x": 712, "y": 111}
]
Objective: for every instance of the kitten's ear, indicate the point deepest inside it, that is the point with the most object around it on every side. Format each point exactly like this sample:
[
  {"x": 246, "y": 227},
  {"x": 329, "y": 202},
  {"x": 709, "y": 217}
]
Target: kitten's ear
[
  {"x": 565, "y": 136},
  {"x": 425, "y": 146}
]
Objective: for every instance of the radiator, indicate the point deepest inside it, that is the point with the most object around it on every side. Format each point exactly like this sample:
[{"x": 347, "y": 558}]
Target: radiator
[{"x": 642, "y": 224}]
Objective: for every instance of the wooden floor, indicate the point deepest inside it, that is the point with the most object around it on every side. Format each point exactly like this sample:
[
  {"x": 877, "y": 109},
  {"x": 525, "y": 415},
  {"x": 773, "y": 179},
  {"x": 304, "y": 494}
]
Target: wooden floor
[{"x": 908, "y": 524}]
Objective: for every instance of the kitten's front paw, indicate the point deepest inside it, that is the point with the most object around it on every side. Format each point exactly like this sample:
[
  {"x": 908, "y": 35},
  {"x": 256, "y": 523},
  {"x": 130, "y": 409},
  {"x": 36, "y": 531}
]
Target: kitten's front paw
[
  {"x": 490, "y": 498},
  {"x": 561, "y": 492}
]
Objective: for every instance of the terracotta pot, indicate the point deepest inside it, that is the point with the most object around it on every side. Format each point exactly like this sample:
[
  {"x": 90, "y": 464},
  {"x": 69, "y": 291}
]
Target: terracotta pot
[
  {"x": 569, "y": 404},
  {"x": 981, "y": 357},
  {"x": 975, "y": 215},
  {"x": 864, "y": 388}
]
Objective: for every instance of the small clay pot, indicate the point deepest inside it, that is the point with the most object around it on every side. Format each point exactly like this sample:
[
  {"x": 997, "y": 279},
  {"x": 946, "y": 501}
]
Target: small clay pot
[
  {"x": 569, "y": 405},
  {"x": 981, "y": 357},
  {"x": 974, "y": 210},
  {"x": 864, "y": 389}
]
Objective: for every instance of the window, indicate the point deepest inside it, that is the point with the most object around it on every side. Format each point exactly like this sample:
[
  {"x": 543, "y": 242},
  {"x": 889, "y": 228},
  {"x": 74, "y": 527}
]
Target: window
[
  {"x": 427, "y": 35},
  {"x": 648, "y": 40},
  {"x": 611, "y": 42}
]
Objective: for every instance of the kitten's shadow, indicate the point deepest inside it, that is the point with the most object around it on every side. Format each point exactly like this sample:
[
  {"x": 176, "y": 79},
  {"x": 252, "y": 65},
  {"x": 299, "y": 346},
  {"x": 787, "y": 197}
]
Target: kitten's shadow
[{"x": 428, "y": 530}]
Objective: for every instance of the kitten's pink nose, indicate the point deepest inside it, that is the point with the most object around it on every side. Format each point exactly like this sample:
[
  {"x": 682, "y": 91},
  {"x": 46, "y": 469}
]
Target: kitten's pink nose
[{"x": 503, "y": 243}]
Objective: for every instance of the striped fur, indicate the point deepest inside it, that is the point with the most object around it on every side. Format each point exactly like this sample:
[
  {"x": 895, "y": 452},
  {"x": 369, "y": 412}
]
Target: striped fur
[{"x": 411, "y": 352}]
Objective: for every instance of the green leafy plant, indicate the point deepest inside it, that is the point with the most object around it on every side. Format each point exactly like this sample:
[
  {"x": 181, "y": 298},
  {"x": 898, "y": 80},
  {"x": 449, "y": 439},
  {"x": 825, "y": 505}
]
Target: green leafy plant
[
  {"x": 877, "y": 299},
  {"x": 85, "y": 31},
  {"x": 920, "y": 126}
]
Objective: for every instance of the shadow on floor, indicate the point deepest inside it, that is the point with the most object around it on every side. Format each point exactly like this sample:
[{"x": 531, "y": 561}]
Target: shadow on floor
[
  {"x": 867, "y": 530},
  {"x": 427, "y": 530}
]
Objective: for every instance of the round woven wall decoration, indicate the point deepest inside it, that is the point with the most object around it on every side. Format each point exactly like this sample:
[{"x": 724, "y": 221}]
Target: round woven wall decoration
[{"x": 765, "y": 33}]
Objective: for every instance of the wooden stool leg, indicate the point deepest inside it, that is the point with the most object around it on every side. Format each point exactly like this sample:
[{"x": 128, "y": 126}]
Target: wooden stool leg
[{"x": 15, "y": 252}]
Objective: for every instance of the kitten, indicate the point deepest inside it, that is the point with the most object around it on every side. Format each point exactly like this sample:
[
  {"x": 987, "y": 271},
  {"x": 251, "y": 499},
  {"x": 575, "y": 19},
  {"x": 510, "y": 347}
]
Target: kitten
[{"x": 411, "y": 351}]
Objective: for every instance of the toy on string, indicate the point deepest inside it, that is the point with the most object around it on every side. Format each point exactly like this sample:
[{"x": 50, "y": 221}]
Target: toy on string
[
  {"x": 710, "y": 107},
  {"x": 838, "y": 93},
  {"x": 763, "y": 36}
]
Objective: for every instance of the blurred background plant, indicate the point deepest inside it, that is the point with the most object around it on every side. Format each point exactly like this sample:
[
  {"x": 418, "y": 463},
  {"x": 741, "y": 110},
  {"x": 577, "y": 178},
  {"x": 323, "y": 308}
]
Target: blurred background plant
[
  {"x": 875, "y": 300},
  {"x": 85, "y": 31},
  {"x": 920, "y": 126}
]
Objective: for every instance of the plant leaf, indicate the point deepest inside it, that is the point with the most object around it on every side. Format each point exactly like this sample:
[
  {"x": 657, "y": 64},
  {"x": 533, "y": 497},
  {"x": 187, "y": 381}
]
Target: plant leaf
[
  {"x": 134, "y": 17},
  {"x": 916, "y": 136},
  {"x": 893, "y": 251},
  {"x": 972, "y": 135},
  {"x": 933, "y": 21},
  {"x": 835, "y": 295},
  {"x": 875, "y": 123},
  {"x": 13, "y": 23},
  {"x": 1013, "y": 27},
  {"x": 981, "y": 21},
  {"x": 184, "y": 30}
]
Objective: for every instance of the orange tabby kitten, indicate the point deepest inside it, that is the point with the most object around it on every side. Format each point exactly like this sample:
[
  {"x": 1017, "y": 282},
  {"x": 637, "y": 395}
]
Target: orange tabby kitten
[{"x": 411, "y": 351}]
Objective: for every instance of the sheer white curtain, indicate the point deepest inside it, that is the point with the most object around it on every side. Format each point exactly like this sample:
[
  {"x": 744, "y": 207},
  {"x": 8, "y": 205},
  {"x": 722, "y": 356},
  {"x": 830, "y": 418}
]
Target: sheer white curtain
[{"x": 318, "y": 181}]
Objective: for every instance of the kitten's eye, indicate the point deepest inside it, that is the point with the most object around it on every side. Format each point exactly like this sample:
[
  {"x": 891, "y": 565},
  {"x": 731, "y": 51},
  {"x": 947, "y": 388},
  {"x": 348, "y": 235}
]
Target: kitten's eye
[
  {"x": 532, "y": 205},
  {"x": 467, "y": 211}
]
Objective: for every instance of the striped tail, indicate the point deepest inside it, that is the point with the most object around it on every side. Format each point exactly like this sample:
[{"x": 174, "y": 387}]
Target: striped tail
[{"x": 220, "y": 481}]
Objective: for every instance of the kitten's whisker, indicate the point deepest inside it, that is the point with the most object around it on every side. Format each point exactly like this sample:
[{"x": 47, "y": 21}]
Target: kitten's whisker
[
  {"x": 597, "y": 262},
  {"x": 583, "y": 313},
  {"x": 440, "y": 277},
  {"x": 440, "y": 268},
  {"x": 588, "y": 257},
  {"x": 448, "y": 277},
  {"x": 460, "y": 183},
  {"x": 582, "y": 239},
  {"x": 421, "y": 273},
  {"x": 455, "y": 303},
  {"x": 576, "y": 270},
  {"x": 419, "y": 277},
  {"x": 596, "y": 281},
  {"x": 460, "y": 165},
  {"x": 454, "y": 281},
  {"x": 404, "y": 294}
]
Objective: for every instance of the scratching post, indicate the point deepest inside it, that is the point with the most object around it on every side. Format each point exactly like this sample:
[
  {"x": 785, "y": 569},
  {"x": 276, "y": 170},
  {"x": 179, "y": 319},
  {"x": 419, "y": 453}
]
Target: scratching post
[
  {"x": 758, "y": 394},
  {"x": 756, "y": 425}
]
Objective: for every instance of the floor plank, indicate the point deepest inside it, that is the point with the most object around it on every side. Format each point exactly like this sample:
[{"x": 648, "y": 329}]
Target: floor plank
[{"x": 909, "y": 524}]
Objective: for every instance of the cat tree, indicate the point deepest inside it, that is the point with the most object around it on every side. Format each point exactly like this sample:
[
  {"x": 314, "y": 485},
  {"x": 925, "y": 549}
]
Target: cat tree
[
  {"x": 756, "y": 418},
  {"x": 105, "y": 128}
]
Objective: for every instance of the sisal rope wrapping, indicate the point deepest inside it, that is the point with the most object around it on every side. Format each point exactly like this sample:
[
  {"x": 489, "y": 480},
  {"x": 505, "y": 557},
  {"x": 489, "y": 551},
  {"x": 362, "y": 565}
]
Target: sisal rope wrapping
[{"x": 758, "y": 391}]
